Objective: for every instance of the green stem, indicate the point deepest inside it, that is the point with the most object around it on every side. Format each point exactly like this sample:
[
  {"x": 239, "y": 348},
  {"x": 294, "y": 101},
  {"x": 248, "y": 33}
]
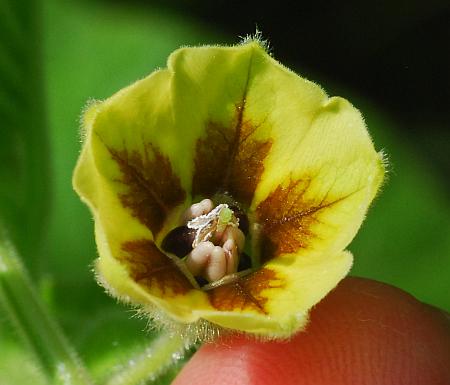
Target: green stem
[
  {"x": 152, "y": 362},
  {"x": 33, "y": 323}
]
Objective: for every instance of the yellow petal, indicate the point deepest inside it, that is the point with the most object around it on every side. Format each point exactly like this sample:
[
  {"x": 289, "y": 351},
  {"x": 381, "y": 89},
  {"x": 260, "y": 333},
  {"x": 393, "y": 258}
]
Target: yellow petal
[
  {"x": 137, "y": 167},
  {"x": 275, "y": 301},
  {"x": 322, "y": 171},
  {"x": 210, "y": 85},
  {"x": 227, "y": 119},
  {"x": 130, "y": 264}
]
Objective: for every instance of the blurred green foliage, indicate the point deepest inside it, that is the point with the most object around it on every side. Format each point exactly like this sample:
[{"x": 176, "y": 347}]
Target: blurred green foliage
[
  {"x": 92, "y": 49},
  {"x": 23, "y": 144}
]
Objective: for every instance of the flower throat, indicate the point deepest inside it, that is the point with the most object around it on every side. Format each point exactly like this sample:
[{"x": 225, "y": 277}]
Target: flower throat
[{"x": 211, "y": 243}]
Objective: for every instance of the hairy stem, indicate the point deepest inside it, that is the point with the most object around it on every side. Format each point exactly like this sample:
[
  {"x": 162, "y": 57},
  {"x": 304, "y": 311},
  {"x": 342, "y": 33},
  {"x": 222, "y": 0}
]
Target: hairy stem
[
  {"x": 33, "y": 322},
  {"x": 152, "y": 362}
]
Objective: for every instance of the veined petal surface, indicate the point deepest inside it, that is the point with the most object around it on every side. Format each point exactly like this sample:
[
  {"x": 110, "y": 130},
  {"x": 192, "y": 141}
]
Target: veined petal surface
[{"x": 227, "y": 119}]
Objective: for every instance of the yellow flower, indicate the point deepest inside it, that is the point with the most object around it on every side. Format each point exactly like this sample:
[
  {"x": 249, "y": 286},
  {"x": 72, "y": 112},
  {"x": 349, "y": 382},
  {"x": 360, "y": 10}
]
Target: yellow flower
[{"x": 227, "y": 119}]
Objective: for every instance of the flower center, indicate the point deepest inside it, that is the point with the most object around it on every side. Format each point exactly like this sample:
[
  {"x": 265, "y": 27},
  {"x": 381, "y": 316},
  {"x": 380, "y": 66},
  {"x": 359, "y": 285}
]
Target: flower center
[{"x": 211, "y": 242}]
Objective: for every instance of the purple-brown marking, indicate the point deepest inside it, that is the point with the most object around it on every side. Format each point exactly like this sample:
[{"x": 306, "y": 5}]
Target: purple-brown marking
[
  {"x": 245, "y": 293},
  {"x": 229, "y": 159},
  {"x": 152, "y": 187},
  {"x": 286, "y": 218},
  {"x": 151, "y": 268}
]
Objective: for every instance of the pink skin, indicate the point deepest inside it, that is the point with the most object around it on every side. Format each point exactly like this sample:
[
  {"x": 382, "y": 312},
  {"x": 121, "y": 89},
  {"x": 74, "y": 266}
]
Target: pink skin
[
  {"x": 212, "y": 261},
  {"x": 364, "y": 332}
]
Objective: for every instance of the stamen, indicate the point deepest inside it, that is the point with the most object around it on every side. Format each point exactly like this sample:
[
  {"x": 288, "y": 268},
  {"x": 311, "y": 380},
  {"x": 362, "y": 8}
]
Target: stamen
[
  {"x": 212, "y": 224},
  {"x": 211, "y": 240},
  {"x": 197, "y": 209},
  {"x": 217, "y": 243},
  {"x": 231, "y": 256}
]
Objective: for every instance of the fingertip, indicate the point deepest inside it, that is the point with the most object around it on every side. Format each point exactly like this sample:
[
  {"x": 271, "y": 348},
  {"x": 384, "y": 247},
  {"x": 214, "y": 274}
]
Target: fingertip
[{"x": 364, "y": 332}]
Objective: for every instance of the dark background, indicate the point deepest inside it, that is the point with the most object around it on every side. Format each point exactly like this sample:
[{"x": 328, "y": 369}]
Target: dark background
[
  {"x": 396, "y": 52},
  {"x": 389, "y": 58}
]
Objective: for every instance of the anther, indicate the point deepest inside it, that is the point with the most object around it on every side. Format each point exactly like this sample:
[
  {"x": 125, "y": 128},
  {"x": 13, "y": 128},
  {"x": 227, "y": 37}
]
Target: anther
[
  {"x": 212, "y": 240},
  {"x": 197, "y": 209}
]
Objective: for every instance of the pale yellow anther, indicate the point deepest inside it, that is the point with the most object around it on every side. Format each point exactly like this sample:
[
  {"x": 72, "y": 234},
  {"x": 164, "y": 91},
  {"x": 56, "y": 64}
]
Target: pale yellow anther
[
  {"x": 216, "y": 267},
  {"x": 198, "y": 258},
  {"x": 236, "y": 235},
  {"x": 231, "y": 256},
  {"x": 216, "y": 254},
  {"x": 201, "y": 208}
]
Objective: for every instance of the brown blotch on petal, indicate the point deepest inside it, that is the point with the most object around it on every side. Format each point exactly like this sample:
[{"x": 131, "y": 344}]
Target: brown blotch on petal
[
  {"x": 150, "y": 267},
  {"x": 245, "y": 293},
  {"x": 152, "y": 187},
  {"x": 229, "y": 159},
  {"x": 286, "y": 218}
]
